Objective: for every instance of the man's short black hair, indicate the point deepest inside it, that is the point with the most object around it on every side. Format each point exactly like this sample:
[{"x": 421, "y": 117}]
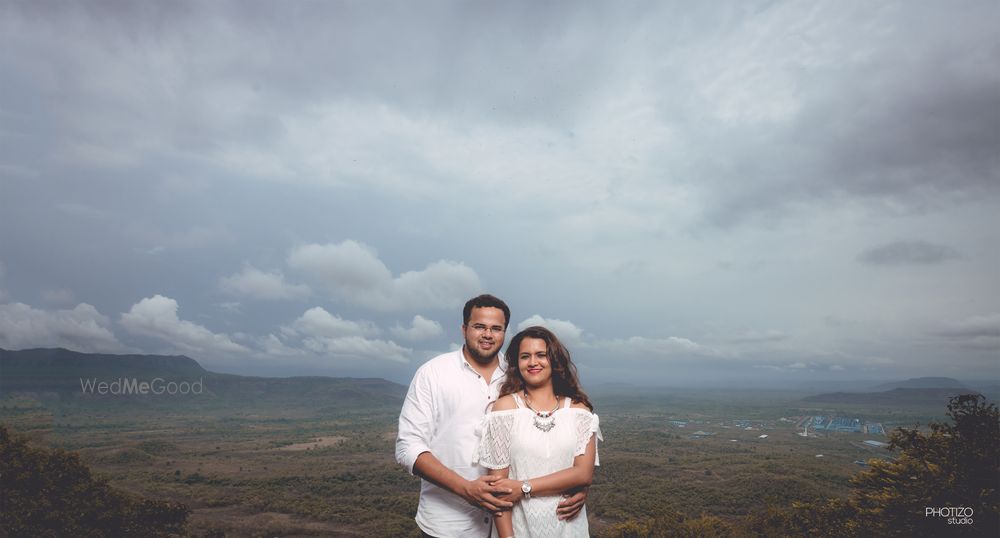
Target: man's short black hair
[{"x": 485, "y": 301}]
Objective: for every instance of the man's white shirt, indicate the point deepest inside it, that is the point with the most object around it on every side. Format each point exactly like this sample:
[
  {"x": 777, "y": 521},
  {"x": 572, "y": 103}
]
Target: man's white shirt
[{"x": 444, "y": 406}]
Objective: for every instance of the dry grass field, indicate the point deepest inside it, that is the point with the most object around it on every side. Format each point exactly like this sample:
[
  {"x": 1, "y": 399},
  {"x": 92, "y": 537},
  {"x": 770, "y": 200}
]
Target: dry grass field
[{"x": 271, "y": 470}]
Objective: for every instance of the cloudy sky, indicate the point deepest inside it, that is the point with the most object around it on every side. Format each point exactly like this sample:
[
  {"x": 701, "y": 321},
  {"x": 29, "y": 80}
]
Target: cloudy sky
[{"x": 687, "y": 192}]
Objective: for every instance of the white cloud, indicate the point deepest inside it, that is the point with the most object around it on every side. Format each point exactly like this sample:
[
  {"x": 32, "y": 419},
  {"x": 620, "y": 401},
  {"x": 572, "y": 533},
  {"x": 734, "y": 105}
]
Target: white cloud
[
  {"x": 82, "y": 328},
  {"x": 318, "y": 322},
  {"x": 632, "y": 348},
  {"x": 256, "y": 284},
  {"x": 567, "y": 332},
  {"x": 420, "y": 328},
  {"x": 344, "y": 266},
  {"x": 670, "y": 347},
  {"x": 322, "y": 333},
  {"x": 358, "y": 347},
  {"x": 353, "y": 272},
  {"x": 156, "y": 317},
  {"x": 273, "y": 346}
]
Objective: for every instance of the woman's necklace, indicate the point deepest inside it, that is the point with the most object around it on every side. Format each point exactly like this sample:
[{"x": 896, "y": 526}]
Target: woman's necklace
[{"x": 543, "y": 420}]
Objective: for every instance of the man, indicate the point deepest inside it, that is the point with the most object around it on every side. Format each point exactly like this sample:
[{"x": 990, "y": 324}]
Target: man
[{"x": 437, "y": 437}]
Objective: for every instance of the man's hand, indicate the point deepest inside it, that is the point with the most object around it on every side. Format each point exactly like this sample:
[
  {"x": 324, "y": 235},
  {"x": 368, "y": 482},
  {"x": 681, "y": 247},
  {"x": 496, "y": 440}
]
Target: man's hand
[
  {"x": 514, "y": 486},
  {"x": 480, "y": 493},
  {"x": 570, "y": 506}
]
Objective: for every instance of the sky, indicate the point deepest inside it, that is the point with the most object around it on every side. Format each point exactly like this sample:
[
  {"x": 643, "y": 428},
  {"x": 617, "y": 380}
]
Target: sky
[{"x": 687, "y": 193}]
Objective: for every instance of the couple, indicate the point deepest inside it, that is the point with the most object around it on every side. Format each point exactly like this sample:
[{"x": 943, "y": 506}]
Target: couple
[{"x": 514, "y": 436}]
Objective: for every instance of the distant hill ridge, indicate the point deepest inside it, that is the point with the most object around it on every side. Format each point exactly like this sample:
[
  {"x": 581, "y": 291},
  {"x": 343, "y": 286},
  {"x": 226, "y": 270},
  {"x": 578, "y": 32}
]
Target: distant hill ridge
[
  {"x": 923, "y": 383},
  {"x": 45, "y": 367},
  {"x": 897, "y": 396},
  {"x": 59, "y": 371}
]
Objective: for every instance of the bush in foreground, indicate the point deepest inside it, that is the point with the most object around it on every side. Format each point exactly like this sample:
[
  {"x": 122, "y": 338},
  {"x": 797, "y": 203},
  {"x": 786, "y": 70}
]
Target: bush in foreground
[{"x": 52, "y": 493}]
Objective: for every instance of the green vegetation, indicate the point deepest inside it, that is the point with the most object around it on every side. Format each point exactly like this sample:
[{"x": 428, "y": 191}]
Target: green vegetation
[
  {"x": 300, "y": 458},
  {"x": 51, "y": 493}
]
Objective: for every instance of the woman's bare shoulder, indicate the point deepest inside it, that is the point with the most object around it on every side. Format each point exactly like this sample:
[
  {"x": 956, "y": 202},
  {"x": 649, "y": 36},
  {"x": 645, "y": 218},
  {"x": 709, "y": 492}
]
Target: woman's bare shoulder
[
  {"x": 579, "y": 405},
  {"x": 505, "y": 403}
]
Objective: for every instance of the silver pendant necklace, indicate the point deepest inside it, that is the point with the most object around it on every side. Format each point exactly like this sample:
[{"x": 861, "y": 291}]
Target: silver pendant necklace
[{"x": 543, "y": 420}]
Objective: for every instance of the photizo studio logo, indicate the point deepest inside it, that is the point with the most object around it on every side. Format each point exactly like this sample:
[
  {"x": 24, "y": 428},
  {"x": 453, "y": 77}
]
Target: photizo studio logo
[
  {"x": 956, "y": 515},
  {"x": 125, "y": 386}
]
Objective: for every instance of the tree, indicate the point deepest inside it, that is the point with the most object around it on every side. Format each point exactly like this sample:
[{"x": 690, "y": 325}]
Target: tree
[
  {"x": 938, "y": 478},
  {"x": 52, "y": 493},
  {"x": 954, "y": 467}
]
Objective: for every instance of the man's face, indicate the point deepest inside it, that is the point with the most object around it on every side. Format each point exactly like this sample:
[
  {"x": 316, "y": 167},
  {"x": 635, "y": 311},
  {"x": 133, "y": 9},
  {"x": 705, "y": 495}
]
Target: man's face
[{"x": 484, "y": 333}]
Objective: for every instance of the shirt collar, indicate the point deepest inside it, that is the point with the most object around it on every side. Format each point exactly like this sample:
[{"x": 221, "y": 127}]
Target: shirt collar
[{"x": 464, "y": 363}]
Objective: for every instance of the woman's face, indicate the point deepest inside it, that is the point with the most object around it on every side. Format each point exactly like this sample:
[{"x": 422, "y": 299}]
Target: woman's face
[{"x": 533, "y": 362}]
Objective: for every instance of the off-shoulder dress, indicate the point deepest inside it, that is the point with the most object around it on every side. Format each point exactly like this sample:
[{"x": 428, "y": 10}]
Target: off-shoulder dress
[{"x": 510, "y": 439}]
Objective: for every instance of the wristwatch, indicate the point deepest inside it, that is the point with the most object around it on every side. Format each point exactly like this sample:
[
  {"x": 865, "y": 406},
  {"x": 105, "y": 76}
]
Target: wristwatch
[{"x": 526, "y": 489}]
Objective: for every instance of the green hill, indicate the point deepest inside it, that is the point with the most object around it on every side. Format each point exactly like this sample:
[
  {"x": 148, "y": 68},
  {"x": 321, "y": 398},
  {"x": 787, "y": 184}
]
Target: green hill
[{"x": 70, "y": 376}]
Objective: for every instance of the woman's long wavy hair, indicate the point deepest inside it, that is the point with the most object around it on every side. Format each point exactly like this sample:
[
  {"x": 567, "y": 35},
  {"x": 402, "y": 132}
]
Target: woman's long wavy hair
[{"x": 564, "y": 377}]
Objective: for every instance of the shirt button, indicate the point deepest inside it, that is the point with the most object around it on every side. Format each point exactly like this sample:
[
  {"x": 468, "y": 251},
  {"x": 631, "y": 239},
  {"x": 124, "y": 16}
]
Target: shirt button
[{"x": 486, "y": 521}]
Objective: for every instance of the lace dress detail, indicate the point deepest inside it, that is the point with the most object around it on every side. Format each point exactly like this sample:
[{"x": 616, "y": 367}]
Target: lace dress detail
[
  {"x": 509, "y": 438},
  {"x": 494, "y": 447}
]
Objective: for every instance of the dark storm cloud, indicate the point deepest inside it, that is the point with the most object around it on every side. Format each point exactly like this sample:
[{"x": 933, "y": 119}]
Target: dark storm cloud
[
  {"x": 906, "y": 116},
  {"x": 908, "y": 253},
  {"x": 975, "y": 332},
  {"x": 451, "y": 58}
]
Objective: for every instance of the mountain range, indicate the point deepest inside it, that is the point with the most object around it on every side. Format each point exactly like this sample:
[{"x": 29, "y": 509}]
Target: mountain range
[
  {"x": 931, "y": 391},
  {"x": 73, "y": 376}
]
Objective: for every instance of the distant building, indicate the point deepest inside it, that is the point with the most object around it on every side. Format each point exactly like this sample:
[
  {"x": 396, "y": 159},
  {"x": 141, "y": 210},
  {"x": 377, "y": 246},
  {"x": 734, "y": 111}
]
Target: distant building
[
  {"x": 837, "y": 424},
  {"x": 875, "y": 428}
]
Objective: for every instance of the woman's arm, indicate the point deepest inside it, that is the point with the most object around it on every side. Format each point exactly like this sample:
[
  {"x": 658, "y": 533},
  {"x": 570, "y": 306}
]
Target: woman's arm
[
  {"x": 505, "y": 525},
  {"x": 579, "y": 475}
]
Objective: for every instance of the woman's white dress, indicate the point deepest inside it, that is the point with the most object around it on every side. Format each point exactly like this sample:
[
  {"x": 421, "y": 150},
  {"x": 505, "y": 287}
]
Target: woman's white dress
[{"x": 510, "y": 438}]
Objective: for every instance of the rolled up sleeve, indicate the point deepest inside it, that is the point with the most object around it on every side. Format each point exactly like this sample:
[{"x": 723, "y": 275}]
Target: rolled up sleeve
[{"x": 415, "y": 421}]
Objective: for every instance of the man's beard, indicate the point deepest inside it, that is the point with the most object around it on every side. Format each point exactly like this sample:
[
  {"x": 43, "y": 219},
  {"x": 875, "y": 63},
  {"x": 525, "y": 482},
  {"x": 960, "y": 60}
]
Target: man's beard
[{"x": 479, "y": 356}]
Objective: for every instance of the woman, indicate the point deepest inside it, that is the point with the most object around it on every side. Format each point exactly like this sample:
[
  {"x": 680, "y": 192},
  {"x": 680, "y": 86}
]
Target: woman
[{"x": 539, "y": 440}]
